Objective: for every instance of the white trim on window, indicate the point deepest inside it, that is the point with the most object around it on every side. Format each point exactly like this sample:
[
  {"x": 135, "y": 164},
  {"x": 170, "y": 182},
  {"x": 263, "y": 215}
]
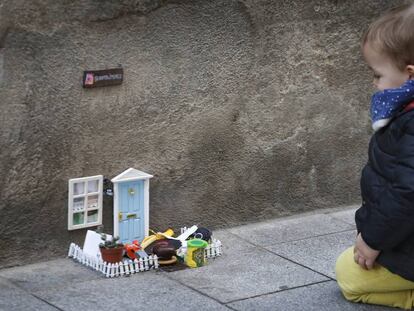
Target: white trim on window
[{"x": 85, "y": 202}]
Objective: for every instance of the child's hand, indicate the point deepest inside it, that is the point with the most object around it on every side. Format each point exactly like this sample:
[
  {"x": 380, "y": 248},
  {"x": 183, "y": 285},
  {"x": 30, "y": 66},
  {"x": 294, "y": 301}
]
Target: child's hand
[{"x": 363, "y": 254}]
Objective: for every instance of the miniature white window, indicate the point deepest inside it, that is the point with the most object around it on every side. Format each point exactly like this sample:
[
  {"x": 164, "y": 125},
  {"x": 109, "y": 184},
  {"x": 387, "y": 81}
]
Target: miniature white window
[{"x": 85, "y": 202}]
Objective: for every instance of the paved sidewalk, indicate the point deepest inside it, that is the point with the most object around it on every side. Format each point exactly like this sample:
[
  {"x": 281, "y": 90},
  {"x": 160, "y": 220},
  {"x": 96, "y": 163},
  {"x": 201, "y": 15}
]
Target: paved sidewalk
[{"x": 281, "y": 264}]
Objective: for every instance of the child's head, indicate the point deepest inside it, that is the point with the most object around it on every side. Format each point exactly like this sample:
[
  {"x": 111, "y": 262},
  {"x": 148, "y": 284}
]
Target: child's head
[{"x": 388, "y": 47}]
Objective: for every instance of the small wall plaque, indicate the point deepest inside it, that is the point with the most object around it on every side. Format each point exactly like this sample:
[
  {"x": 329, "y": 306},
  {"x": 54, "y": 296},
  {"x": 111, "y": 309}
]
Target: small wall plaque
[{"x": 95, "y": 78}]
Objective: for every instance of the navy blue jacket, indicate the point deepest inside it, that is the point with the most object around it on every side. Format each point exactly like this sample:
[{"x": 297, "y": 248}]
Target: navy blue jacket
[{"x": 386, "y": 217}]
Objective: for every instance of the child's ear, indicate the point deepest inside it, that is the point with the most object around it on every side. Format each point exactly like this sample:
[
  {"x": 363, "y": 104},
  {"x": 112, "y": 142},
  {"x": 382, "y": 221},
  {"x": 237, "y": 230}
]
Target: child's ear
[{"x": 410, "y": 70}]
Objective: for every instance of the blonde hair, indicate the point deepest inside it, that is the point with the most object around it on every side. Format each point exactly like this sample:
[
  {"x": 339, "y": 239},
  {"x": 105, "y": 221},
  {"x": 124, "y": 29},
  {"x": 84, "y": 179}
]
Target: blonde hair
[{"x": 393, "y": 35}]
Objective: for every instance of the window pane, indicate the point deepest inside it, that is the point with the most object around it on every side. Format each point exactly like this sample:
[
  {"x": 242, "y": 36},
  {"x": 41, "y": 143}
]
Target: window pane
[
  {"x": 92, "y": 216},
  {"x": 92, "y": 186},
  {"x": 79, "y": 188},
  {"x": 78, "y": 204},
  {"x": 78, "y": 218},
  {"x": 93, "y": 201}
]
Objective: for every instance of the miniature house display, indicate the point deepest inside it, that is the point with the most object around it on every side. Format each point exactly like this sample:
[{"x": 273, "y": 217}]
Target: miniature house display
[
  {"x": 85, "y": 202},
  {"x": 141, "y": 251},
  {"x": 131, "y": 205}
]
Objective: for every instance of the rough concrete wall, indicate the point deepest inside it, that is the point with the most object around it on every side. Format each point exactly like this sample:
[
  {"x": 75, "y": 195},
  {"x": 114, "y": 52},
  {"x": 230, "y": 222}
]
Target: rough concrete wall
[{"x": 243, "y": 110}]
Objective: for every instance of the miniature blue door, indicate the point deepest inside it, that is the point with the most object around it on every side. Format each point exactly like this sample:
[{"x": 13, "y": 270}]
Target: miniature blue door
[{"x": 131, "y": 211}]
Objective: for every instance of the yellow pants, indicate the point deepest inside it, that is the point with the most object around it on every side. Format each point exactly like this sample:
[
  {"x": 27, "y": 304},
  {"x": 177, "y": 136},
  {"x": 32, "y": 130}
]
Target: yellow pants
[{"x": 376, "y": 286}]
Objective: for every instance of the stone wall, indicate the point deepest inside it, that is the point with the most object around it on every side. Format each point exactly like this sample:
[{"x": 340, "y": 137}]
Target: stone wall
[{"x": 243, "y": 110}]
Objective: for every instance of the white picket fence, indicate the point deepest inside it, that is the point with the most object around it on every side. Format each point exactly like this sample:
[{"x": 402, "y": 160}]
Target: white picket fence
[
  {"x": 110, "y": 270},
  {"x": 214, "y": 249}
]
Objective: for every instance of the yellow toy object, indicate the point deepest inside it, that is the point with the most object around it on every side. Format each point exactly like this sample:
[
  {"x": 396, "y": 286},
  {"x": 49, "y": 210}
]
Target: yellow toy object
[
  {"x": 167, "y": 261},
  {"x": 195, "y": 253},
  {"x": 157, "y": 236}
]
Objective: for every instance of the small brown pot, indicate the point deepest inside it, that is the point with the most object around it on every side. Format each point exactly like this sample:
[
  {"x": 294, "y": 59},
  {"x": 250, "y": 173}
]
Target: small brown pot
[{"x": 112, "y": 255}]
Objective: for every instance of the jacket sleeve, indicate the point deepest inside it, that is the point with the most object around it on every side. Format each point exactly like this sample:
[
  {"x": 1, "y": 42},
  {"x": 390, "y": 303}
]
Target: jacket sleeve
[{"x": 391, "y": 221}]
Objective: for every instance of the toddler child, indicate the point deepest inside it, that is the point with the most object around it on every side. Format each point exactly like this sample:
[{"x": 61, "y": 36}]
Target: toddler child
[{"x": 379, "y": 268}]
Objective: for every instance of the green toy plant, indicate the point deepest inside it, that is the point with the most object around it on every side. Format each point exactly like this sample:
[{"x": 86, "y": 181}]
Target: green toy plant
[
  {"x": 110, "y": 243},
  {"x": 112, "y": 250}
]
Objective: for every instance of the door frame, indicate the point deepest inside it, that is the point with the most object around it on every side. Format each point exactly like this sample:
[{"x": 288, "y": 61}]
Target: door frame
[{"x": 146, "y": 206}]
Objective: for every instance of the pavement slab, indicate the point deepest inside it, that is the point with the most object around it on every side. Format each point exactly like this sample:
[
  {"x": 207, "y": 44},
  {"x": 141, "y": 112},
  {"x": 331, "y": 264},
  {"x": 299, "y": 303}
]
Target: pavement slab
[
  {"x": 324, "y": 296},
  {"x": 318, "y": 253},
  {"x": 143, "y": 291},
  {"x": 246, "y": 274},
  {"x": 54, "y": 273},
  {"x": 13, "y": 298},
  {"x": 290, "y": 229},
  {"x": 347, "y": 215},
  {"x": 232, "y": 244}
]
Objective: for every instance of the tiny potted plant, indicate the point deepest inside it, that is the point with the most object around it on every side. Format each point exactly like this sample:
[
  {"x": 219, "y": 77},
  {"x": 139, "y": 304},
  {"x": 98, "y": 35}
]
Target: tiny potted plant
[{"x": 111, "y": 249}]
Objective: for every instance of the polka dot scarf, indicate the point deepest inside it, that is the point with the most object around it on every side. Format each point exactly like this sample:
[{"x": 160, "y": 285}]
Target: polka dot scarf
[{"x": 385, "y": 104}]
